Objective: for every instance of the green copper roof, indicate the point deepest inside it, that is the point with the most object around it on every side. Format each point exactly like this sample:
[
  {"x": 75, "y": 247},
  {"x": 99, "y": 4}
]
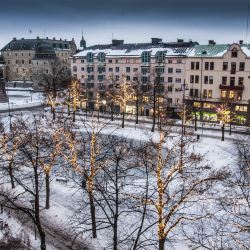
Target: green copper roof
[{"x": 210, "y": 50}]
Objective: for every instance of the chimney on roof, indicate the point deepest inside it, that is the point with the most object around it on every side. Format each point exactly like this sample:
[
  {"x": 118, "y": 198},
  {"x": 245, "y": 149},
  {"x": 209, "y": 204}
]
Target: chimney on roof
[
  {"x": 211, "y": 42},
  {"x": 241, "y": 42},
  {"x": 14, "y": 38},
  {"x": 116, "y": 42},
  {"x": 54, "y": 38},
  {"x": 47, "y": 38},
  {"x": 180, "y": 40},
  {"x": 60, "y": 39},
  {"x": 155, "y": 40},
  {"x": 22, "y": 38},
  {"x": 37, "y": 38}
]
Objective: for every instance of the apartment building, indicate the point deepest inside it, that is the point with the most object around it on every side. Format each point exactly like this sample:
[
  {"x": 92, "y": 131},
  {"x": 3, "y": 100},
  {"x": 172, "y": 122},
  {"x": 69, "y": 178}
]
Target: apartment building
[
  {"x": 98, "y": 66},
  {"x": 203, "y": 75},
  {"x": 219, "y": 73},
  {"x": 25, "y": 57}
]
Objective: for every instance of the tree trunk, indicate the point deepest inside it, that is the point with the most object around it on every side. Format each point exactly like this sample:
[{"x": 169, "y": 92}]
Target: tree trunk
[
  {"x": 37, "y": 204},
  {"x": 115, "y": 228},
  {"x": 11, "y": 174},
  {"x": 161, "y": 244},
  {"x": 92, "y": 212},
  {"x": 42, "y": 238},
  {"x": 112, "y": 113},
  {"x": 115, "y": 239},
  {"x": 54, "y": 113},
  {"x": 154, "y": 100},
  {"x": 47, "y": 180},
  {"x": 74, "y": 115},
  {"x": 195, "y": 120},
  {"x": 223, "y": 132},
  {"x": 123, "y": 118},
  {"x": 137, "y": 108},
  {"x": 54, "y": 89}
]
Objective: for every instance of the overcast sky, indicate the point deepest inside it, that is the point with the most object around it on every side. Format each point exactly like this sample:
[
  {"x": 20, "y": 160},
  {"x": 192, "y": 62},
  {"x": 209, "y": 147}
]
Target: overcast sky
[{"x": 131, "y": 20}]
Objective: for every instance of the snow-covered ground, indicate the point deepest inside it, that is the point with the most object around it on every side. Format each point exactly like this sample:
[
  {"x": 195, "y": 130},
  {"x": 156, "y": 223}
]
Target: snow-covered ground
[
  {"x": 20, "y": 98},
  {"x": 63, "y": 195}
]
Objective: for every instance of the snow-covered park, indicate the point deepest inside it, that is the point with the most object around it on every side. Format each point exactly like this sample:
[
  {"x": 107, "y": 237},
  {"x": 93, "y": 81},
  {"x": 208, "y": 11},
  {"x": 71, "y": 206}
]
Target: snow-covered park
[
  {"x": 21, "y": 98},
  {"x": 137, "y": 197}
]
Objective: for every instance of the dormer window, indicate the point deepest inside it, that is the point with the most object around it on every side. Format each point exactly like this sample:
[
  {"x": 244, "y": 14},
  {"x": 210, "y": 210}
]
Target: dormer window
[
  {"x": 90, "y": 57},
  {"x": 234, "y": 53},
  {"x": 101, "y": 57},
  {"x": 145, "y": 57},
  {"x": 160, "y": 57}
]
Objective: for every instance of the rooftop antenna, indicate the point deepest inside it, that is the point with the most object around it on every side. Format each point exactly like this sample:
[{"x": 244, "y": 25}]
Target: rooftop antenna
[
  {"x": 247, "y": 23},
  {"x": 44, "y": 33},
  {"x": 112, "y": 35}
]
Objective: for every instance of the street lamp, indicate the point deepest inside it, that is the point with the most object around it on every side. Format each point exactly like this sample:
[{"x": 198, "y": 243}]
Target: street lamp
[
  {"x": 225, "y": 117},
  {"x": 9, "y": 113}
]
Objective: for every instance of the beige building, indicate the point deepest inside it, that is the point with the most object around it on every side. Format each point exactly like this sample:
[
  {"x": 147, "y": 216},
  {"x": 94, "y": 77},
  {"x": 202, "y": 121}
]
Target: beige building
[
  {"x": 216, "y": 74},
  {"x": 24, "y": 57}
]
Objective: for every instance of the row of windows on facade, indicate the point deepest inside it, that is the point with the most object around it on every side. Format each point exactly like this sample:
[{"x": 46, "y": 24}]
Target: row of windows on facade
[
  {"x": 208, "y": 93},
  {"x": 224, "y": 80},
  {"x": 18, "y": 62},
  {"x": 145, "y": 58},
  {"x": 29, "y": 54},
  {"x": 240, "y": 108},
  {"x": 144, "y": 79},
  {"x": 210, "y": 66},
  {"x": 144, "y": 70},
  {"x": 30, "y": 70}
]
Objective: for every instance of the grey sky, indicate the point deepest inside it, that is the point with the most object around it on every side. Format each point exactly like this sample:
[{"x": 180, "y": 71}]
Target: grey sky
[{"x": 132, "y": 20}]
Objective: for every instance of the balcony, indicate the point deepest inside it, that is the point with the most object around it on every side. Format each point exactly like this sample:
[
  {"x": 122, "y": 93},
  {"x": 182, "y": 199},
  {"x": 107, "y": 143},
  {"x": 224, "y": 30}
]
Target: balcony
[{"x": 229, "y": 87}]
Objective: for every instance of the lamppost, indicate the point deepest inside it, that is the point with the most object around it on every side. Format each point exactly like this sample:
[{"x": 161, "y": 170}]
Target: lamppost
[
  {"x": 104, "y": 102},
  {"x": 98, "y": 105},
  {"x": 224, "y": 117},
  {"x": 183, "y": 113},
  {"x": 32, "y": 202},
  {"x": 9, "y": 113}
]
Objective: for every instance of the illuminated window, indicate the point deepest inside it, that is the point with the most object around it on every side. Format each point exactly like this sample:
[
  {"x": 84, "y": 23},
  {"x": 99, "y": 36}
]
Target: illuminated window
[
  {"x": 223, "y": 93},
  {"x": 210, "y": 93},
  {"x": 241, "y": 108},
  {"x": 197, "y": 104},
  {"x": 231, "y": 94}
]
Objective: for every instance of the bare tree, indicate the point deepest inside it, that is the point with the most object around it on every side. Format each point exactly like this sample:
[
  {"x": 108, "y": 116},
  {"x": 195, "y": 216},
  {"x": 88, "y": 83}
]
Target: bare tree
[
  {"x": 178, "y": 183},
  {"x": 56, "y": 76},
  {"x": 86, "y": 154}
]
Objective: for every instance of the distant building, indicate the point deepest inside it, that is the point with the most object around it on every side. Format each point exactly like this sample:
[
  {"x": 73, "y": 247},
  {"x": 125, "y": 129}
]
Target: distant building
[
  {"x": 25, "y": 57},
  {"x": 3, "y": 96}
]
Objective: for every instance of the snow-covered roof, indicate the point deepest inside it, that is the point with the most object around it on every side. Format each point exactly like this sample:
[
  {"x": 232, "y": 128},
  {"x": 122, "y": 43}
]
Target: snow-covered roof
[
  {"x": 135, "y": 52},
  {"x": 210, "y": 50},
  {"x": 246, "y": 49}
]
